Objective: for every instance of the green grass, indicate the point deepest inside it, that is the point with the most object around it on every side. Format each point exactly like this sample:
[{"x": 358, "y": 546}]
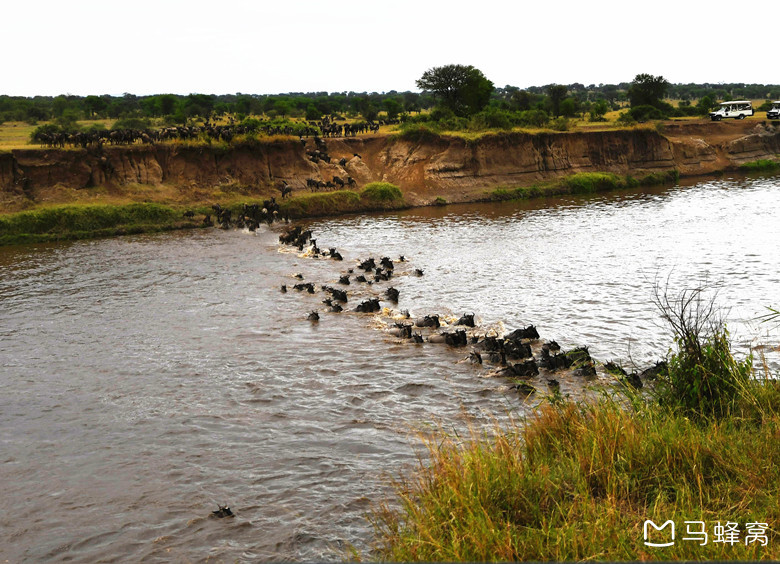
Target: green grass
[
  {"x": 376, "y": 196},
  {"x": 760, "y": 165},
  {"x": 78, "y": 221},
  {"x": 577, "y": 482},
  {"x": 81, "y": 221},
  {"x": 581, "y": 183}
]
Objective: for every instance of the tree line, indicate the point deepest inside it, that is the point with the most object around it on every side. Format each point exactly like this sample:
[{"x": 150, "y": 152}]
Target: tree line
[{"x": 555, "y": 99}]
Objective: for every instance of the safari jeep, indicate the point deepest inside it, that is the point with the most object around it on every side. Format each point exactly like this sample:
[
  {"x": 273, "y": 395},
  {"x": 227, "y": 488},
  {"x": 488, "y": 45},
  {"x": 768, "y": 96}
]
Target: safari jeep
[
  {"x": 774, "y": 111},
  {"x": 737, "y": 109}
]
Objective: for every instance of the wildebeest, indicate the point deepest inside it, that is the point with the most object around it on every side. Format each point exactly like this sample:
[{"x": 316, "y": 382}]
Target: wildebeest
[
  {"x": 223, "y": 511},
  {"x": 467, "y": 319},
  {"x": 285, "y": 189},
  {"x": 428, "y": 321},
  {"x": 369, "y": 306}
]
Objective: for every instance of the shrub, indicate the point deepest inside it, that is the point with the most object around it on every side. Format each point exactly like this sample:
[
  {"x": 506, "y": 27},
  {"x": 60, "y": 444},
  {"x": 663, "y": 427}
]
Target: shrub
[
  {"x": 381, "y": 192},
  {"x": 626, "y": 118},
  {"x": 132, "y": 123},
  {"x": 560, "y": 124},
  {"x": 646, "y": 113},
  {"x": 533, "y": 118},
  {"x": 597, "y": 110},
  {"x": 703, "y": 378},
  {"x": 492, "y": 118}
]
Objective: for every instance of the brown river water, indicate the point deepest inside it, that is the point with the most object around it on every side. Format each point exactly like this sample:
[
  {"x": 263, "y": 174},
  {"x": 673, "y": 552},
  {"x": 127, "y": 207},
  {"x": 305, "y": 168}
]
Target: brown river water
[{"x": 144, "y": 380}]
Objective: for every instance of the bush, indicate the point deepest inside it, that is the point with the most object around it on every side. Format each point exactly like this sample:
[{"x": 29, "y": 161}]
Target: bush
[
  {"x": 533, "y": 118},
  {"x": 560, "y": 124},
  {"x": 703, "y": 378},
  {"x": 646, "y": 113},
  {"x": 626, "y": 119},
  {"x": 381, "y": 192},
  {"x": 132, "y": 123},
  {"x": 492, "y": 118}
]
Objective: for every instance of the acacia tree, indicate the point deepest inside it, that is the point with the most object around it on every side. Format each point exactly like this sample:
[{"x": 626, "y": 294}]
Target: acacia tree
[
  {"x": 647, "y": 90},
  {"x": 462, "y": 89}
]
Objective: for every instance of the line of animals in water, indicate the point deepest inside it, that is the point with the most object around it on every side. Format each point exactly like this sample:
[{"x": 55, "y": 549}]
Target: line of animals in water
[
  {"x": 518, "y": 355},
  {"x": 521, "y": 356}
]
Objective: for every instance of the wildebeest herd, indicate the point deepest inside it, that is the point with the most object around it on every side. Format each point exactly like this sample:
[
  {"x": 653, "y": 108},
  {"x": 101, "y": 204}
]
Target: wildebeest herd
[
  {"x": 226, "y": 133},
  {"x": 250, "y": 217},
  {"x": 519, "y": 355}
]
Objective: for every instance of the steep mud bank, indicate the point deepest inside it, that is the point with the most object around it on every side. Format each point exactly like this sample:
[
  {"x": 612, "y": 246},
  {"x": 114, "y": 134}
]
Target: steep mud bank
[{"x": 427, "y": 168}]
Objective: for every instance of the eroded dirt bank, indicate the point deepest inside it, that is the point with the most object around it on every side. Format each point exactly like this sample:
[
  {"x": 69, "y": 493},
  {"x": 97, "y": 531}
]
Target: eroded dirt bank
[{"x": 424, "y": 168}]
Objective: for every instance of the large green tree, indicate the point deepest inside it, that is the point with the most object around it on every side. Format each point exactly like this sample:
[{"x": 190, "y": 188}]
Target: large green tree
[
  {"x": 462, "y": 89},
  {"x": 557, "y": 94},
  {"x": 647, "y": 90}
]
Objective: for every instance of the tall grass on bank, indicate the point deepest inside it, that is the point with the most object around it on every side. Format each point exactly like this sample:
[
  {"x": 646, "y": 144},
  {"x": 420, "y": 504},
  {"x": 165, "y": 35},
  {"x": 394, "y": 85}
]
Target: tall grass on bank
[
  {"x": 375, "y": 196},
  {"x": 578, "y": 481},
  {"x": 761, "y": 165},
  {"x": 583, "y": 183},
  {"x": 75, "y": 221},
  {"x": 703, "y": 379}
]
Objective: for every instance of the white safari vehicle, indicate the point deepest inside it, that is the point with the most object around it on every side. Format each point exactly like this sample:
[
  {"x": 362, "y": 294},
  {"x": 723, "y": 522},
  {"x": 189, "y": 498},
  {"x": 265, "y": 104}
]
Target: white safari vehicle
[
  {"x": 774, "y": 111},
  {"x": 736, "y": 109}
]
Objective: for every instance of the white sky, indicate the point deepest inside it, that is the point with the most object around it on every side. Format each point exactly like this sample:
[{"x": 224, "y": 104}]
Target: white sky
[{"x": 84, "y": 47}]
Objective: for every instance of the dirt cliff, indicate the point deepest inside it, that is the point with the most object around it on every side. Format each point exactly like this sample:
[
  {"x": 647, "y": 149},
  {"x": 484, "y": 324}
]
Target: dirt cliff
[{"x": 425, "y": 168}]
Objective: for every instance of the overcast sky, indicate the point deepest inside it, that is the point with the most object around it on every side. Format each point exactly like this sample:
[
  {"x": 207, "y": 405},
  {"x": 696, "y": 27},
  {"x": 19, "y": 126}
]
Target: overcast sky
[{"x": 84, "y": 47}]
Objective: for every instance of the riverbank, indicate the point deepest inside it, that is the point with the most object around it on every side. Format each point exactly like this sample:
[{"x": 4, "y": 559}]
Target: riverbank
[
  {"x": 114, "y": 217},
  {"x": 612, "y": 479},
  {"x": 428, "y": 169},
  {"x": 578, "y": 482}
]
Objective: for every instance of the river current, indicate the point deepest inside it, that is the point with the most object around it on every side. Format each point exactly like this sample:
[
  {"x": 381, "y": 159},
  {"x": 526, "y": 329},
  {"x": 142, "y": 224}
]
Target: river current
[{"x": 146, "y": 379}]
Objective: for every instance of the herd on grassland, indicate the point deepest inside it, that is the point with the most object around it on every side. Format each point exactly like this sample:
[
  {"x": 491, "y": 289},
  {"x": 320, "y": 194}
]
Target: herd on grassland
[{"x": 325, "y": 128}]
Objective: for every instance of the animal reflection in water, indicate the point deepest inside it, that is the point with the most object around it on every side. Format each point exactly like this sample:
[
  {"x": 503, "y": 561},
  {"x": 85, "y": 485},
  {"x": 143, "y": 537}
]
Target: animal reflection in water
[{"x": 520, "y": 355}]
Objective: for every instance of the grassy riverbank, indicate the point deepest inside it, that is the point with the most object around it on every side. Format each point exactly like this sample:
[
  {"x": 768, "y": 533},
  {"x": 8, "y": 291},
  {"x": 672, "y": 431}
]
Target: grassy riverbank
[
  {"x": 82, "y": 221},
  {"x": 582, "y": 183},
  {"x": 376, "y": 196},
  {"x": 100, "y": 219},
  {"x": 578, "y": 481}
]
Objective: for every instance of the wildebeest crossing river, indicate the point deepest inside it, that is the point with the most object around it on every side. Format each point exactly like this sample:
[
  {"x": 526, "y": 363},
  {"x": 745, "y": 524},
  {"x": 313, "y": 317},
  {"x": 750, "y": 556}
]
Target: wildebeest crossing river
[{"x": 146, "y": 380}]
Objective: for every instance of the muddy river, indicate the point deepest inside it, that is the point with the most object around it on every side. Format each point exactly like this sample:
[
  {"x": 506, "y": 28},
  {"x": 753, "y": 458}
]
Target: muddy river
[{"x": 144, "y": 380}]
